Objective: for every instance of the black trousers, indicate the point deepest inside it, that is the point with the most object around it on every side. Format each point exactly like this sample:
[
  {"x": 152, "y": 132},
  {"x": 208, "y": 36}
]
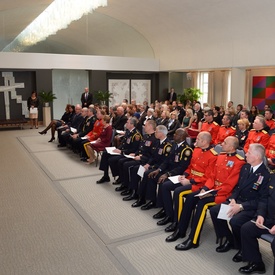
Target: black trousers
[
  {"x": 250, "y": 245},
  {"x": 165, "y": 200},
  {"x": 196, "y": 204},
  {"x": 236, "y": 222}
]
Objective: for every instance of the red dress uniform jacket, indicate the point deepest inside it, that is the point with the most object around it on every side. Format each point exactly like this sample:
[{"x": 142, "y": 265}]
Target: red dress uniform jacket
[
  {"x": 225, "y": 132},
  {"x": 211, "y": 127},
  {"x": 95, "y": 133},
  {"x": 259, "y": 136},
  {"x": 270, "y": 123},
  {"x": 225, "y": 175},
  {"x": 201, "y": 166},
  {"x": 270, "y": 149}
]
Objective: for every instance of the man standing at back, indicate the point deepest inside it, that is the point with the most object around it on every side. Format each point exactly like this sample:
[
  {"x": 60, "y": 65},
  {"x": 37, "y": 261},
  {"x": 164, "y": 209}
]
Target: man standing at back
[{"x": 86, "y": 98}]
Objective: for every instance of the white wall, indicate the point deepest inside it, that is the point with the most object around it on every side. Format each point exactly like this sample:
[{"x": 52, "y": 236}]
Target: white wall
[{"x": 76, "y": 62}]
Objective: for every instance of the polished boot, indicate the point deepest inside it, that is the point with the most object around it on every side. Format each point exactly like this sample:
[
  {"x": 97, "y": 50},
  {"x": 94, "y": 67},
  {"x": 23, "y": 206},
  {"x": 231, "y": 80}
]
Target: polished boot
[
  {"x": 43, "y": 132},
  {"x": 238, "y": 257},
  {"x": 164, "y": 221},
  {"x": 139, "y": 202},
  {"x": 186, "y": 245},
  {"x": 126, "y": 193},
  {"x": 224, "y": 247},
  {"x": 52, "y": 139},
  {"x": 172, "y": 227},
  {"x": 176, "y": 235},
  {"x": 253, "y": 268},
  {"x": 148, "y": 205},
  {"x": 160, "y": 214},
  {"x": 132, "y": 196},
  {"x": 103, "y": 179},
  {"x": 120, "y": 188}
]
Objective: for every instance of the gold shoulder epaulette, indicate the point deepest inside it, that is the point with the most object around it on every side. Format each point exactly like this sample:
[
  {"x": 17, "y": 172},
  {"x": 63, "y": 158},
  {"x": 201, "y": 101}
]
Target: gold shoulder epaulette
[
  {"x": 212, "y": 150},
  {"x": 239, "y": 157},
  {"x": 215, "y": 123},
  {"x": 233, "y": 128},
  {"x": 252, "y": 130},
  {"x": 264, "y": 131}
]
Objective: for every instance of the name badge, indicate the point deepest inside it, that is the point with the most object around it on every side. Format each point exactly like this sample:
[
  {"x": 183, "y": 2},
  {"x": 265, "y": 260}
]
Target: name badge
[{"x": 160, "y": 151}]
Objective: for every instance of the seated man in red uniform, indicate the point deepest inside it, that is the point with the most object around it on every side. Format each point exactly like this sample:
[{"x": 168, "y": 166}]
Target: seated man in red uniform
[
  {"x": 257, "y": 134},
  {"x": 222, "y": 181},
  {"x": 210, "y": 125}
]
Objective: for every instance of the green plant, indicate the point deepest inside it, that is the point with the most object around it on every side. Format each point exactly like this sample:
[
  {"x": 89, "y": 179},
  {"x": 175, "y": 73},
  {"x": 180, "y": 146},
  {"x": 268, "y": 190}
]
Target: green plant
[
  {"x": 47, "y": 96},
  {"x": 103, "y": 96},
  {"x": 189, "y": 94}
]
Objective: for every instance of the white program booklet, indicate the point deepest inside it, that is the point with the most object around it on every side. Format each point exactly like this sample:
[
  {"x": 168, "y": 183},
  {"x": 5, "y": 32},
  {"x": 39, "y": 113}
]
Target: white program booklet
[
  {"x": 174, "y": 179},
  {"x": 110, "y": 150},
  {"x": 141, "y": 171},
  {"x": 223, "y": 212}
]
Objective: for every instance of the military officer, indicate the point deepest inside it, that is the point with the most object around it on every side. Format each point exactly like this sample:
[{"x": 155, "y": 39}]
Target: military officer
[
  {"x": 247, "y": 197},
  {"x": 257, "y": 134},
  {"x": 225, "y": 130},
  {"x": 250, "y": 232},
  {"x": 176, "y": 164},
  {"x": 224, "y": 178},
  {"x": 160, "y": 153},
  {"x": 130, "y": 144},
  {"x": 209, "y": 125},
  {"x": 144, "y": 152},
  {"x": 199, "y": 170}
]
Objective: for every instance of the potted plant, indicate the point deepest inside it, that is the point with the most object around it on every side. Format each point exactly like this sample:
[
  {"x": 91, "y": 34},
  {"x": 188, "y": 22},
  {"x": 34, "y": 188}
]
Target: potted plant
[
  {"x": 47, "y": 97},
  {"x": 103, "y": 96},
  {"x": 189, "y": 94}
]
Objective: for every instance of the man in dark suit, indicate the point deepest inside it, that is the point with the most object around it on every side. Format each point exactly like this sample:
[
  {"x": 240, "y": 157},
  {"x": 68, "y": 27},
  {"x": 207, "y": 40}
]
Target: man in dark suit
[
  {"x": 250, "y": 232},
  {"x": 172, "y": 96},
  {"x": 120, "y": 119},
  {"x": 86, "y": 98},
  {"x": 249, "y": 195}
]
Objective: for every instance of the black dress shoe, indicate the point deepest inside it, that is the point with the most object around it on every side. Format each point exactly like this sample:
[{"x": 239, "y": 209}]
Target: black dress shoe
[
  {"x": 120, "y": 188},
  {"x": 224, "y": 247},
  {"x": 61, "y": 145},
  {"x": 188, "y": 244},
  {"x": 103, "y": 179},
  {"x": 148, "y": 205},
  {"x": 139, "y": 202},
  {"x": 132, "y": 196},
  {"x": 117, "y": 182},
  {"x": 172, "y": 227},
  {"x": 176, "y": 235},
  {"x": 126, "y": 193},
  {"x": 51, "y": 140},
  {"x": 253, "y": 268},
  {"x": 160, "y": 214},
  {"x": 164, "y": 221},
  {"x": 238, "y": 257}
]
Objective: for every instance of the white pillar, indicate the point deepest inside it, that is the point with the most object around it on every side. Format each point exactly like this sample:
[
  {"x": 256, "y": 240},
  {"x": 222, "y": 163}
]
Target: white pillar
[{"x": 238, "y": 78}]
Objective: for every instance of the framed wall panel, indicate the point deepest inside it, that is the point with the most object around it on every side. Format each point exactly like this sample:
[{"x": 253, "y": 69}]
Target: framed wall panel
[
  {"x": 120, "y": 88},
  {"x": 263, "y": 91},
  {"x": 141, "y": 90}
]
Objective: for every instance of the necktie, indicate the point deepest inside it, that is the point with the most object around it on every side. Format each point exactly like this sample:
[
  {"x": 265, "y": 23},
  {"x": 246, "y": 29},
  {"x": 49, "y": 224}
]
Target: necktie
[{"x": 86, "y": 96}]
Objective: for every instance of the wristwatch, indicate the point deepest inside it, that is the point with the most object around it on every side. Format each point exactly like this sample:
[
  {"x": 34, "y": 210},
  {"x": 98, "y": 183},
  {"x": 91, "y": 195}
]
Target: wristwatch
[{"x": 241, "y": 207}]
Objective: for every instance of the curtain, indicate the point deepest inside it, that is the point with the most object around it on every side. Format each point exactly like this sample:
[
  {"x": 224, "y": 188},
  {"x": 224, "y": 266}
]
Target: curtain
[
  {"x": 211, "y": 96},
  {"x": 248, "y": 89}
]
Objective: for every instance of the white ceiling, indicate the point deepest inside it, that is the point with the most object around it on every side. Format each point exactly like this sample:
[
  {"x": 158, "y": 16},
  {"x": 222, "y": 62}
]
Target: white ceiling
[{"x": 180, "y": 33}]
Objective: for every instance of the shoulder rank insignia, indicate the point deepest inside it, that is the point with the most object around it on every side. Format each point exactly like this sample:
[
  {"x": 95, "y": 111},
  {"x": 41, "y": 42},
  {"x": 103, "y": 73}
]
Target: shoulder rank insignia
[
  {"x": 212, "y": 150},
  {"x": 239, "y": 157}
]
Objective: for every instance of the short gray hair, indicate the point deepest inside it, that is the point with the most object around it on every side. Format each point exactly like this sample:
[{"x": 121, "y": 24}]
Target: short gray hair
[{"x": 163, "y": 129}]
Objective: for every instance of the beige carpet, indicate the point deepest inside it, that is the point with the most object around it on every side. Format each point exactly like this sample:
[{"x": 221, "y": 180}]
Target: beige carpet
[{"x": 56, "y": 220}]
